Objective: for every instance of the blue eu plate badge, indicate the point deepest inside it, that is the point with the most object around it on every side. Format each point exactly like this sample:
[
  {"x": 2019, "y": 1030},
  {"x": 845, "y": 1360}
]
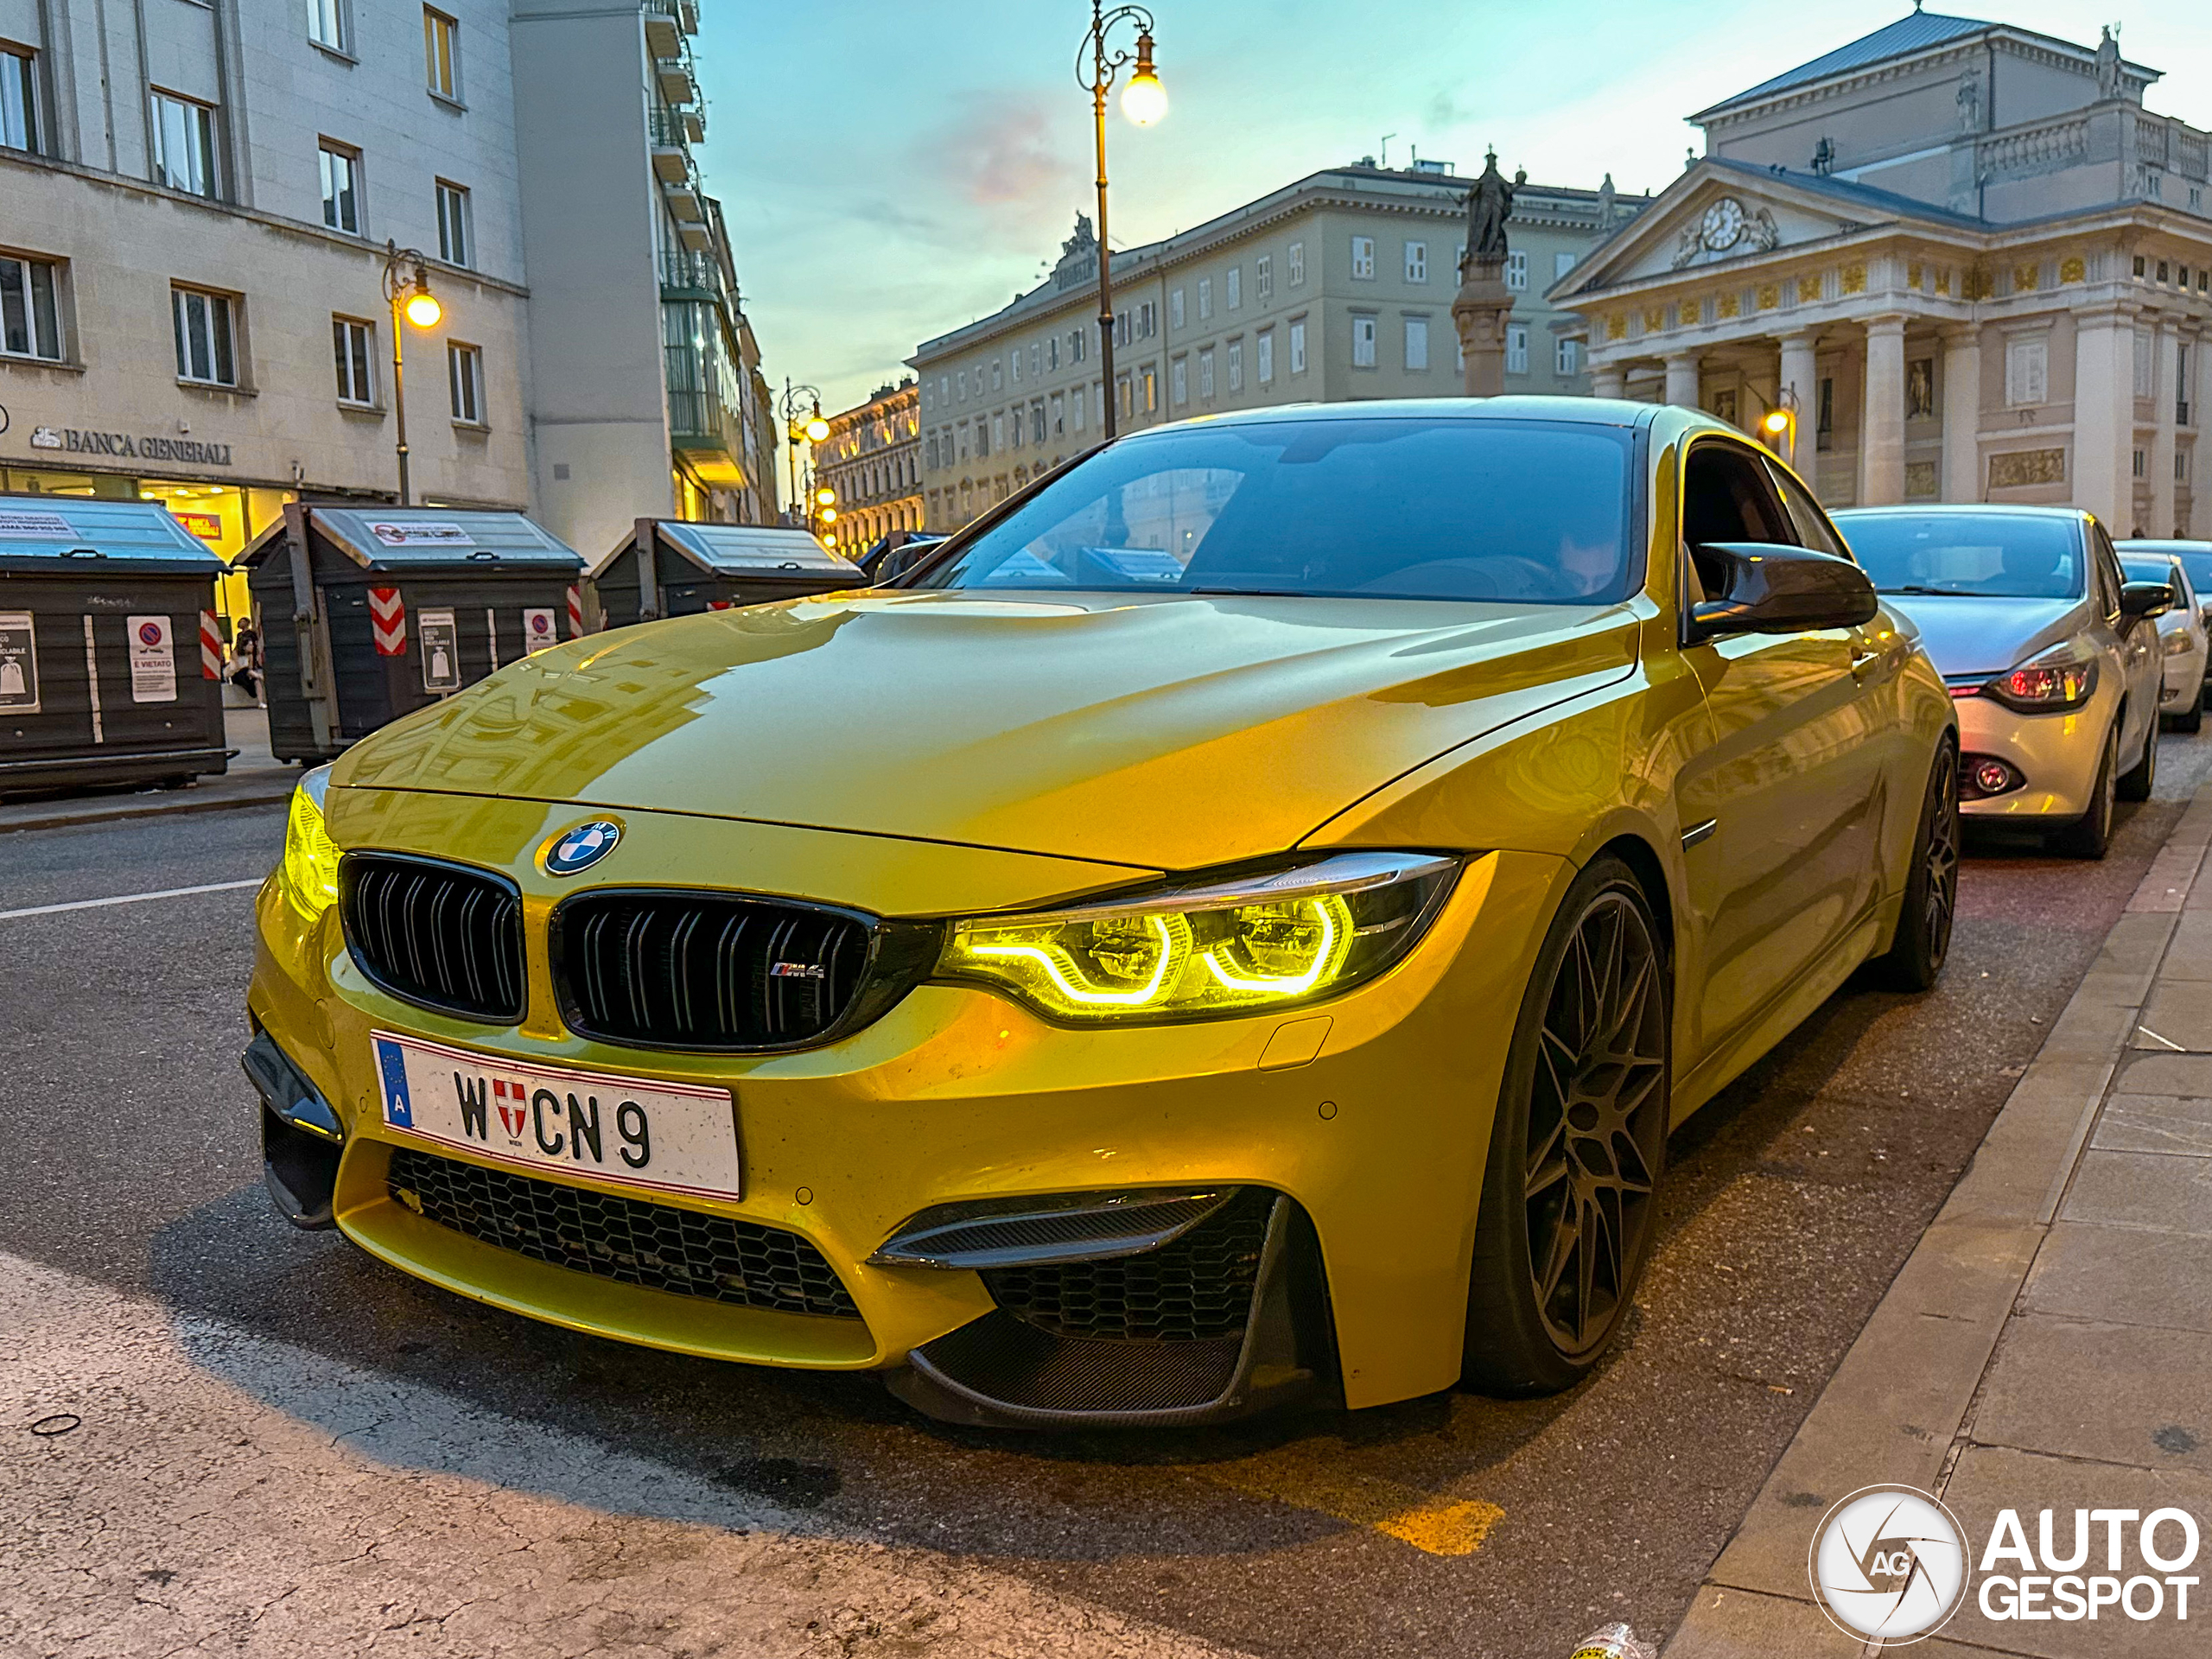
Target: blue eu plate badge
[{"x": 391, "y": 1066}]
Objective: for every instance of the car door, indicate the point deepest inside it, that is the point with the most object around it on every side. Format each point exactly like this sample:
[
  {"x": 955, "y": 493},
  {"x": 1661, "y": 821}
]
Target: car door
[
  {"x": 1778, "y": 809},
  {"x": 2142, "y": 664}
]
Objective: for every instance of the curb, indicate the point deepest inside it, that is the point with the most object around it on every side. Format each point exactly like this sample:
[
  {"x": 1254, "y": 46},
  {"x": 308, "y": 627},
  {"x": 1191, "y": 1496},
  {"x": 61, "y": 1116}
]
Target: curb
[
  {"x": 1897, "y": 1408},
  {"x": 139, "y": 806}
]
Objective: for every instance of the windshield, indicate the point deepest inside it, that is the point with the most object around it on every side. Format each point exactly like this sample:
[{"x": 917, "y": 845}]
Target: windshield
[
  {"x": 1531, "y": 512},
  {"x": 2197, "y": 561},
  {"x": 1987, "y": 554}
]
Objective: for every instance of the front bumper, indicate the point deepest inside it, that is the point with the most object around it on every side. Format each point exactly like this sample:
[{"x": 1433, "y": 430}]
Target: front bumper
[
  {"x": 2056, "y": 754},
  {"x": 1372, "y": 1137}
]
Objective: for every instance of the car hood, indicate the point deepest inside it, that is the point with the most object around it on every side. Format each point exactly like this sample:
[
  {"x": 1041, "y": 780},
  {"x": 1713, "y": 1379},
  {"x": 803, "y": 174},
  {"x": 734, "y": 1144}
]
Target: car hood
[
  {"x": 1969, "y": 633},
  {"x": 1142, "y": 730}
]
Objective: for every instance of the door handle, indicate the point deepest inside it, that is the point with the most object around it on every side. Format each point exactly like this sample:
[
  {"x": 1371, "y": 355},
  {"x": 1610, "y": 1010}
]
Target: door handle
[{"x": 1864, "y": 660}]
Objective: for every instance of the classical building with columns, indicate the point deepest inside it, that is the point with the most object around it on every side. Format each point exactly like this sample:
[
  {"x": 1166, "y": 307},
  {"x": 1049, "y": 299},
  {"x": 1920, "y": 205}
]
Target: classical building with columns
[{"x": 1966, "y": 257}]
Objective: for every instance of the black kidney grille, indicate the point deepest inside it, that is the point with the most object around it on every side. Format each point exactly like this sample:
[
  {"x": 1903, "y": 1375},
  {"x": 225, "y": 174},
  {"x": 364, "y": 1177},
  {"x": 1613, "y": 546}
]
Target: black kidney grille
[
  {"x": 1197, "y": 1288},
  {"x": 446, "y": 938},
  {"x": 655, "y": 1245},
  {"x": 702, "y": 970}
]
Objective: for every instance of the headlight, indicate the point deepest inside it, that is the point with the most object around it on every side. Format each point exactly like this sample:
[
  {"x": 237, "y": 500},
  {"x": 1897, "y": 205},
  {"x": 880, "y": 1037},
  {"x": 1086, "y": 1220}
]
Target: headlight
[
  {"x": 2176, "y": 644},
  {"x": 310, "y": 867},
  {"x": 2055, "y": 680},
  {"x": 1234, "y": 946}
]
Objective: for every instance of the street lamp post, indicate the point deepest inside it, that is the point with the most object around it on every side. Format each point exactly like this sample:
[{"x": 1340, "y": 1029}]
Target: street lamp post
[
  {"x": 803, "y": 423},
  {"x": 407, "y": 290},
  {"x": 1144, "y": 102}
]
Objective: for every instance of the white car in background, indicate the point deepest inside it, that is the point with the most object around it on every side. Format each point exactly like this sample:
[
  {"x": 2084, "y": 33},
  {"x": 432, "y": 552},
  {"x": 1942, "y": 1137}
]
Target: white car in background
[
  {"x": 2196, "y": 561},
  {"x": 2181, "y": 636},
  {"x": 2052, "y": 656}
]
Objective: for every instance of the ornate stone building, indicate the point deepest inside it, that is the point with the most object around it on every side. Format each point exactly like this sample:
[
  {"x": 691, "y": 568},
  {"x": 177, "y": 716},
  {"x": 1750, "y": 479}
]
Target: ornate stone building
[
  {"x": 872, "y": 459},
  {"x": 1965, "y": 254}
]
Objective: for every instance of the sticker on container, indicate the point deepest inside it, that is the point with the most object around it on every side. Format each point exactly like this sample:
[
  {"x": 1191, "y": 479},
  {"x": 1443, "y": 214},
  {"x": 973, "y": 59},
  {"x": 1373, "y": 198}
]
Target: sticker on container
[
  {"x": 153, "y": 660},
  {"x": 440, "y": 639},
  {"x": 420, "y": 532},
  {"x": 35, "y": 526},
  {"x": 18, "y": 663},
  {"x": 538, "y": 629}
]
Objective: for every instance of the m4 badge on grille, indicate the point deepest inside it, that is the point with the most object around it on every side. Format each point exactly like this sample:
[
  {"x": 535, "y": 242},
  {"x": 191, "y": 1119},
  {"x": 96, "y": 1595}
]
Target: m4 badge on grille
[
  {"x": 581, "y": 848},
  {"x": 796, "y": 970}
]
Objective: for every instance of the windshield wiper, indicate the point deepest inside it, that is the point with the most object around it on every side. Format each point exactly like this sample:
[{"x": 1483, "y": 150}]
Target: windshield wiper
[{"x": 1946, "y": 593}]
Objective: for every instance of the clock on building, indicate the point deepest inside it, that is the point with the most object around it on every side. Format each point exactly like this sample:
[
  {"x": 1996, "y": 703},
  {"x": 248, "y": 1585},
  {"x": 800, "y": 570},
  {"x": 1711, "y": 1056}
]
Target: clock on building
[{"x": 1723, "y": 224}]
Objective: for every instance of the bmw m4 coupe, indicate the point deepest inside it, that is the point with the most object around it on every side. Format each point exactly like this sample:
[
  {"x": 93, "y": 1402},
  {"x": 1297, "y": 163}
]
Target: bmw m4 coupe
[{"x": 1235, "y": 926}]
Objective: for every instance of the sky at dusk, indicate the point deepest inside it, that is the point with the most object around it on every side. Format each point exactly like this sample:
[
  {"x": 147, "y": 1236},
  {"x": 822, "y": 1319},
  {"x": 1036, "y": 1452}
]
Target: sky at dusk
[{"x": 892, "y": 170}]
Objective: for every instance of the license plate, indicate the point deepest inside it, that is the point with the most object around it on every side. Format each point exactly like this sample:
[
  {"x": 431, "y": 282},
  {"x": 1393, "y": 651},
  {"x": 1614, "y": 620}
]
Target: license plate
[{"x": 671, "y": 1137}]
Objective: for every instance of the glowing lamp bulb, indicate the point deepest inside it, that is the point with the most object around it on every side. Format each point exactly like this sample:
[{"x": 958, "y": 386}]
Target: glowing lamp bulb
[
  {"x": 816, "y": 430},
  {"x": 828, "y": 515},
  {"x": 825, "y": 495},
  {"x": 1777, "y": 422},
  {"x": 423, "y": 310},
  {"x": 1144, "y": 100}
]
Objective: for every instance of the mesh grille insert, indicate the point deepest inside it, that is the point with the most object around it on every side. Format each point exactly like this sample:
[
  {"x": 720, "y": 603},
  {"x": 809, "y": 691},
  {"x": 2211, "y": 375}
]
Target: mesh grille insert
[
  {"x": 1196, "y": 1288},
  {"x": 655, "y": 1245},
  {"x": 705, "y": 971},
  {"x": 446, "y": 938}
]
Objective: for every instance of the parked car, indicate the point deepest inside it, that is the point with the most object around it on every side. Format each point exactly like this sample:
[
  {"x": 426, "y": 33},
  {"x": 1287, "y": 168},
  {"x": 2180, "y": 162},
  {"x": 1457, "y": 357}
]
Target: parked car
[
  {"x": 2196, "y": 559},
  {"x": 1237, "y": 926},
  {"x": 2181, "y": 639},
  {"x": 895, "y": 553},
  {"x": 2050, "y": 652}
]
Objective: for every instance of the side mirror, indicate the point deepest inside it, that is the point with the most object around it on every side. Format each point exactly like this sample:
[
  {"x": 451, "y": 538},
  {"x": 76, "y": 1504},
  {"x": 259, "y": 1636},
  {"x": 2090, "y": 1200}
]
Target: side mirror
[
  {"x": 2146, "y": 599},
  {"x": 1769, "y": 588}
]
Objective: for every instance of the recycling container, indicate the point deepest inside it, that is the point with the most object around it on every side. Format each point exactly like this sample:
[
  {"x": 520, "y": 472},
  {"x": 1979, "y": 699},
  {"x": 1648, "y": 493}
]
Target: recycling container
[
  {"x": 368, "y": 614},
  {"x": 669, "y": 567},
  {"x": 110, "y": 659}
]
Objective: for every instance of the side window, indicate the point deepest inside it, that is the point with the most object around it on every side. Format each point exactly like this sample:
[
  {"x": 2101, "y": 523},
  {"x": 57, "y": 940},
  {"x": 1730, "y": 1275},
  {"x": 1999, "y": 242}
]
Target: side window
[
  {"x": 1727, "y": 496},
  {"x": 2106, "y": 563},
  {"x": 1814, "y": 530}
]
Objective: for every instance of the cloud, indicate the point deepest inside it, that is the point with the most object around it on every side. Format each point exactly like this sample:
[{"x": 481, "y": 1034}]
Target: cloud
[{"x": 1003, "y": 161}]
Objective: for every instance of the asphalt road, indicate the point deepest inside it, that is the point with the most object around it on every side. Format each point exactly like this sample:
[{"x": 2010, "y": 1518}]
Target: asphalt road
[{"x": 131, "y": 1137}]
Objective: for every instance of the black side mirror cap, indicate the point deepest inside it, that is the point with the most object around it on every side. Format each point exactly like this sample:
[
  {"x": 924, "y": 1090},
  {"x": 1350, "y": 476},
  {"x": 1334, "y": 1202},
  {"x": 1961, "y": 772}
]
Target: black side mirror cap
[
  {"x": 1767, "y": 587},
  {"x": 2146, "y": 599}
]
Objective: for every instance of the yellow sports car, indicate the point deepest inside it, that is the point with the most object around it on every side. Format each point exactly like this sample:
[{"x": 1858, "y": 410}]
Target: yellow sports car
[{"x": 1237, "y": 925}]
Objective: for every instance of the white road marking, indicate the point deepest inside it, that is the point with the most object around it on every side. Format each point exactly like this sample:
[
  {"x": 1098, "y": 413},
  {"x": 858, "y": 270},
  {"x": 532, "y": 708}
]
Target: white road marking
[
  {"x": 2168, "y": 1041},
  {"x": 132, "y": 898}
]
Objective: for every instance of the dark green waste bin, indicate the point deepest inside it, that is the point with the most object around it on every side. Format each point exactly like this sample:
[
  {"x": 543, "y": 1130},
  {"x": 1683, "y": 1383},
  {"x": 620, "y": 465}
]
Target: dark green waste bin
[
  {"x": 110, "y": 656},
  {"x": 670, "y": 567},
  {"x": 369, "y": 614}
]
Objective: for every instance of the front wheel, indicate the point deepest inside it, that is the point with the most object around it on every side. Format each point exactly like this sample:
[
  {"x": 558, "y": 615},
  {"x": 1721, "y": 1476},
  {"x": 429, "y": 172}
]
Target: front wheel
[
  {"x": 2137, "y": 782},
  {"x": 2190, "y": 720},
  {"x": 1931, "y": 889},
  {"x": 2090, "y": 835},
  {"x": 1577, "y": 1145}
]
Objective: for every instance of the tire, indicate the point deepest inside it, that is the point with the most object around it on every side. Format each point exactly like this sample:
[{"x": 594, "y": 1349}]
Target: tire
[
  {"x": 1915, "y": 959},
  {"x": 2137, "y": 782},
  {"x": 1588, "y": 1080},
  {"x": 2090, "y": 835},
  {"x": 2191, "y": 722}
]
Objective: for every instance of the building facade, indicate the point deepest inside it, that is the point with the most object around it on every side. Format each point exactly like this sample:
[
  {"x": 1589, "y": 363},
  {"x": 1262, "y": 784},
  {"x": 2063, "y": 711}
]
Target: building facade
[
  {"x": 1964, "y": 254},
  {"x": 872, "y": 460},
  {"x": 195, "y": 203},
  {"x": 1336, "y": 288}
]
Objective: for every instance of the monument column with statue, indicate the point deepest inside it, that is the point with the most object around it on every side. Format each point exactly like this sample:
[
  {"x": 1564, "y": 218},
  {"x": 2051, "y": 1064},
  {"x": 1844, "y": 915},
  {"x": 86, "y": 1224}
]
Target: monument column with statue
[{"x": 1480, "y": 308}]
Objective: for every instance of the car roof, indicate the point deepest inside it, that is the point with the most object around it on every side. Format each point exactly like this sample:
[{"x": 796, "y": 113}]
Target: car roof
[
  {"x": 2162, "y": 545},
  {"x": 1946, "y": 509},
  {"x": 1580, "y": 411}
]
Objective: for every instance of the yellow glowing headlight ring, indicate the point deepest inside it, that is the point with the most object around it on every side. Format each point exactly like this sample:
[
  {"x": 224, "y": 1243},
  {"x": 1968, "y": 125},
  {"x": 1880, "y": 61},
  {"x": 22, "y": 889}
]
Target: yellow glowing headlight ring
[
  {"x": 310, "y": 872},
  {"x": 1169, "y": 954},
  {"x": 1325, "y": 959}
]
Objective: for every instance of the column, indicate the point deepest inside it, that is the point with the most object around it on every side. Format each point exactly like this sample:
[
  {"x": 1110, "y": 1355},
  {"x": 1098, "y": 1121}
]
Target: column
[
  {"x": 1881, "y": 425},
  {"x": 1962, "y": 414},
  {"x": 1608, "y": 381},
  {"x": 2104, "y": 414},
  {"x": 2199, "y": 385},
  {"x": 2165, "y": 387},
  {"x": 1682, "y": 379},
  {"x": 1798, "y": 384}
]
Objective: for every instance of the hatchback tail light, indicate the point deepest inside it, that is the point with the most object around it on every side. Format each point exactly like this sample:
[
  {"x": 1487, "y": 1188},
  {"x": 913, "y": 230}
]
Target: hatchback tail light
[{"x": 2044, "y": 686}]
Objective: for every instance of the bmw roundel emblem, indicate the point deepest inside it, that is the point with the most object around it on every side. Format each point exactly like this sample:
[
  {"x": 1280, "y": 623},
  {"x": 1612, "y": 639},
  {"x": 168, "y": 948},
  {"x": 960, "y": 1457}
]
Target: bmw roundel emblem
[{"x": 581, "y": 848}]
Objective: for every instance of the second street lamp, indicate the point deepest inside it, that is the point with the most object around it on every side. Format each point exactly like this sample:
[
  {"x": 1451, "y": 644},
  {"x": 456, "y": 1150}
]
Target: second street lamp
[
  {"x": 1144, "y": 101},
  {"x": 407, "y": 290}
]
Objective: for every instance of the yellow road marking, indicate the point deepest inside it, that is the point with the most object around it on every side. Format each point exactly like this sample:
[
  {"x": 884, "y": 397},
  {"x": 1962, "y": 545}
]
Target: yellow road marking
[{"x": 1314, "y": 1477}]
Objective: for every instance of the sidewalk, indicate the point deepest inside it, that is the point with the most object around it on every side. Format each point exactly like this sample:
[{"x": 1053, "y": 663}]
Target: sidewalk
[
  {"x": 255, "y": 777},
  {"x": 2048, "y": 1345}
]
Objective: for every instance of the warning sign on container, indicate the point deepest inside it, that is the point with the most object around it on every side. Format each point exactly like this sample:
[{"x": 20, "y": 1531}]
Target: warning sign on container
[
  {"x": 538, "y": 629},
  {"x": 153, "y": 660},
  {"x": 18, "y": 663},
  {"x": 25, "y": 527},
  {"x": 440, "y": 645}
]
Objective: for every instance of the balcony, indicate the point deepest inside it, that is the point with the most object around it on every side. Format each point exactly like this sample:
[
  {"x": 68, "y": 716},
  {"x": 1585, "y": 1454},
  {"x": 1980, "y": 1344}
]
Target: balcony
[
  {"x": 688, "y": 275},
  {"x": 679, "y": 84},
  {"x": 663, "y": 28},
  {"x": 704, "y": 427},
  {"x": 670, "y": 145}
]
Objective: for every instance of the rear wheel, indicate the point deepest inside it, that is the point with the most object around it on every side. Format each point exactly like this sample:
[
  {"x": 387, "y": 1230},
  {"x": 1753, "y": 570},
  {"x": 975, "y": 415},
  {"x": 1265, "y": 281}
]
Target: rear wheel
[
  {"x": 1915, "y": 959},
  {"x": 2136, "y": 783},
  {"x": 1577, "y": 1145},
  {"x": 2088, "y": 836}
]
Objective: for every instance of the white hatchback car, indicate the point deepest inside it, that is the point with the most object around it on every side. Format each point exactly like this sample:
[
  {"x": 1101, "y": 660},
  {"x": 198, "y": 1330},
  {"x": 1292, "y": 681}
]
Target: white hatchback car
[
  {"x": 2053, "y": 659},
  {"x": 2181, "y": 638}
]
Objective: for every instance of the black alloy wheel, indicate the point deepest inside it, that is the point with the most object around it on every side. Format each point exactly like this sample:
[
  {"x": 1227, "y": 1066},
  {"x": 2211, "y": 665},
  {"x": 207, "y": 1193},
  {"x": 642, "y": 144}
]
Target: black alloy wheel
[
  {"x": 1915, "y": 958},
  {"x": 1578, "y": 1146},
  {"x": 2090, "y": 835}
]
